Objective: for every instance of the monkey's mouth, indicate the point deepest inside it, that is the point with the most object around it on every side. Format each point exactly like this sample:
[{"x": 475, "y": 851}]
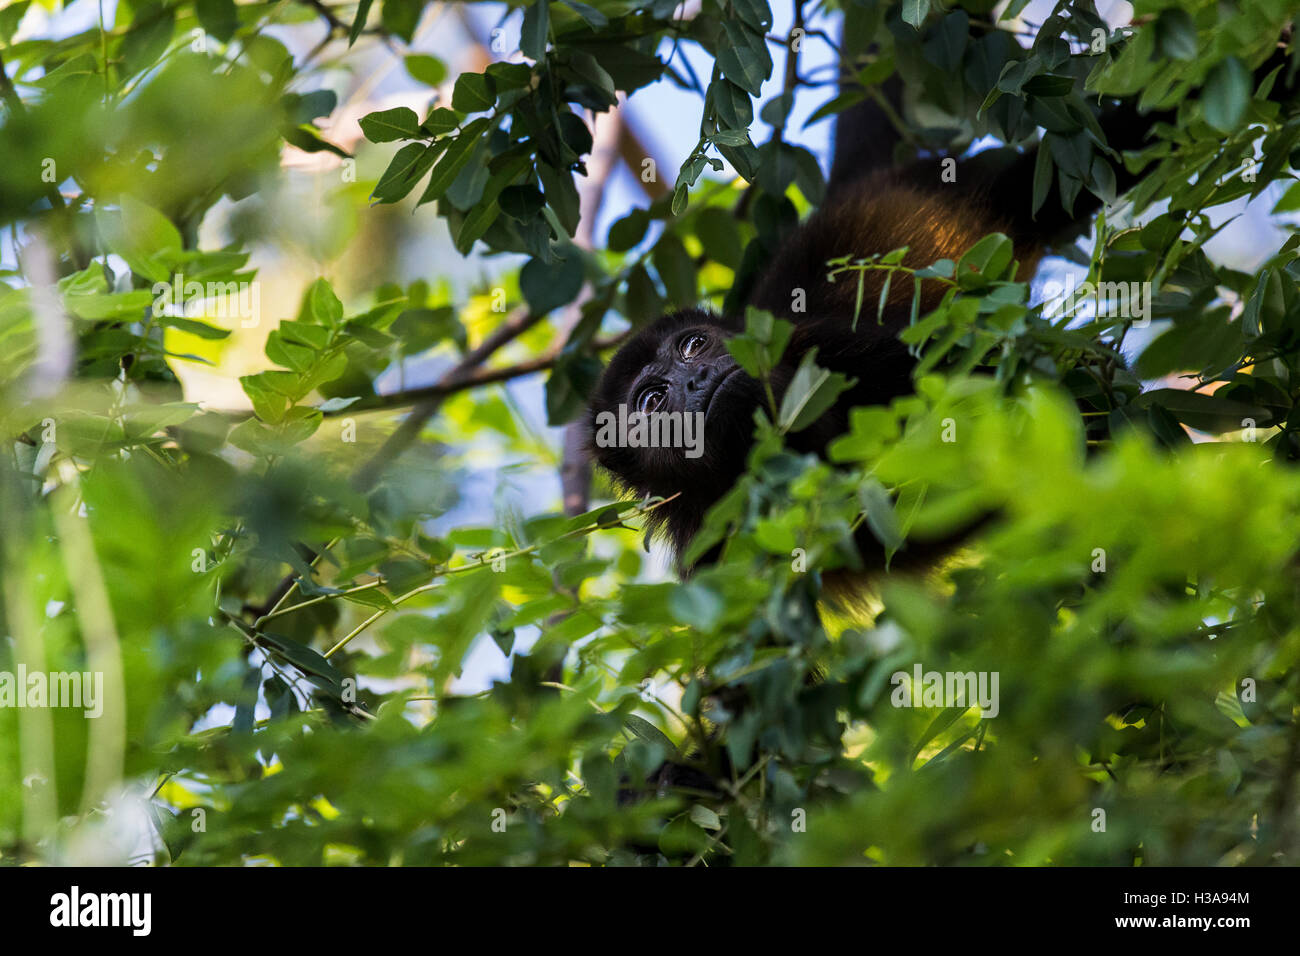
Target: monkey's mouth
[{"x": 717, "y": 389}]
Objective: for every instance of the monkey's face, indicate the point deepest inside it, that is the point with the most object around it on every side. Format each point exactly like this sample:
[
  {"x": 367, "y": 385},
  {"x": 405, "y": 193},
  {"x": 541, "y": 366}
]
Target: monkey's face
[{"x": 674, "y": 411}]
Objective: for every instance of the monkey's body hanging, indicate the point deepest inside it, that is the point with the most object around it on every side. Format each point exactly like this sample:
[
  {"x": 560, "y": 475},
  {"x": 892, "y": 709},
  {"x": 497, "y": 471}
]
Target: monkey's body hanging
[
  {"x": 937, "y": 208},
  {"x": 680, "y": 363}
]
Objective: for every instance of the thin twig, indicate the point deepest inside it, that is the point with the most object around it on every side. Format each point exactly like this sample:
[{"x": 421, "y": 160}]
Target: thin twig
[
  {"x": 367, "y": 476},
  {"x": 478, "y": 377}
]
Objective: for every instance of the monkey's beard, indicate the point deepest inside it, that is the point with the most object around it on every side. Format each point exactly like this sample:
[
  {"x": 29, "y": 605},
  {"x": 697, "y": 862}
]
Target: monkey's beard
[
  {"x": 728, "y": 435},
  {"x": 697, "y": 483}
]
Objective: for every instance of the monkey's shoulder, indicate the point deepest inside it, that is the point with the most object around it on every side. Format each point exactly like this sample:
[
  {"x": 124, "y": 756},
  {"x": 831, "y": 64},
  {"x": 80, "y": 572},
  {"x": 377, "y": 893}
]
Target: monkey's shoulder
[{"x": 872, "y": 216}]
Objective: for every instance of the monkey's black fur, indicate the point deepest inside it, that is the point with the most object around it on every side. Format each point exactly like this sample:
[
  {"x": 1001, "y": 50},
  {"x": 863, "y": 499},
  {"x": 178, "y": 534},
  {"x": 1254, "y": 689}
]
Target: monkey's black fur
[
  {"x": 871, "y": 207},
  {"x": 876, "y": 212}
]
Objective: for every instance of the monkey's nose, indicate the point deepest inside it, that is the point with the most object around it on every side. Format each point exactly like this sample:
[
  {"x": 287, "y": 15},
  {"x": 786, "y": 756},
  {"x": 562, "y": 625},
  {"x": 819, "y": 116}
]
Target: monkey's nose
[{"x": 698, "y": 379}]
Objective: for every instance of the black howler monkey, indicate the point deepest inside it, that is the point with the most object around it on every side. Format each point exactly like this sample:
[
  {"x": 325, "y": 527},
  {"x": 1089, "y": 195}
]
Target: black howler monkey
[{"x": 680, "y": 362}]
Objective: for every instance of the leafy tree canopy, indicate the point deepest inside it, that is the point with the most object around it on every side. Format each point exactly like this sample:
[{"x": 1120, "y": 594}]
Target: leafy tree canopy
[{"x": 273, "y": 575}]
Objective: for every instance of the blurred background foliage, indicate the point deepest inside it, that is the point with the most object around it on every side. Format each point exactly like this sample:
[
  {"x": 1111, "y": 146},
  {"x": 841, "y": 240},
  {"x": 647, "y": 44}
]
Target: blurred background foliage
[{"x": 325, "y": 534}]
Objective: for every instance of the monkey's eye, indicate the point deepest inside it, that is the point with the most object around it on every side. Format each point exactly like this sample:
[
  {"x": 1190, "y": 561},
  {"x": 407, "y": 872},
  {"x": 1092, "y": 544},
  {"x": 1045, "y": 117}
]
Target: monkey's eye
[
  {"x": 650, "y": 398},
  {"x": 693, "y": 345}
]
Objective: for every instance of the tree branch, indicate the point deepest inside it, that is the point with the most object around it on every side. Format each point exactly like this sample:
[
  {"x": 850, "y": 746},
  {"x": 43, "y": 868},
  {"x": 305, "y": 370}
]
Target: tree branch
[
  {"x": 329, "y": 16},
  {"x": 633, "y": 151},
  {"x": 468, "y": 373},
  {"x": 464, "y": 374},
  {"x": 606, "y": 151},
  {"x": 460, "y": 375},
  {"x": 472, "y": 379},
  {"x": 790, "y": 82}
]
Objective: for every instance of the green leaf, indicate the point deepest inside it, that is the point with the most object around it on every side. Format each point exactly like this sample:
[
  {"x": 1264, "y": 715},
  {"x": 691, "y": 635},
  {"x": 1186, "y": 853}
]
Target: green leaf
[
  {"x": 502, "y": 172},
  {"x": 388, "y": 125},
  {"x": 456, "y": 156},
  {"x": 193, "y": 327},
  {"x": 1290, "y": 200},
  {"x": 130, "y": 306},
  {"x": 596, "y": 76},
  {"x": 522, "y": 202},
  {"x": 651, "y": 734},
  {"x": 307, "y": 107},
  {"x": 10, "y": 18},
  {"x": 304, "y": 658},
  {"x": 1049, "y": 84},
  {"x": 324, "y": 305},
  {"x": 142, "y": 421},
  {"x": 547, "y": 287},
  {"x": 572, "y": 379},
  {"x": 641, "y": 302},
  {"x": 313, "y": 336},
  {"x": 808, "y": 176},
  {"x": 705, "y": 818},
  {"x": 681, "y": 199},
  {"x": 882, "y": 519},
  {"x": 148, "y": 37},
  {"x": 218, "y": 17},
  {"x": 535, "y": 33},
  {"x": 1176, "y": 34},
  {"x": 359, "y": 21},
  {"x": 440, "y": 121},
  {"x": 561, "y": 195},
  {"x": 696, "y": 605},
  {"x": 915, "y": 12},
  {"x": 941, "y": 722},
  {"x": 429, "y": 70},
  {"x": 593, "y": 17},
  {"x": 421, "y": 329},
  {"x": 472, "y": 93},
  {"x": 988, "y": 258},
  {"x": 1207, "y": 342},
  {"x": 731, "y": 137},
  {"x": 810, "y": 394},
  {"x": 676, "y": 269},
  {"x": 296, "y": 357},
  {"x": 1207, "y": 413},
  {"x": 1226, "y": 93},
  {"x": 268, "y": 405},
  {"x": 406, "y": 169},
  {"x": 947, "y": 41},
  {"x": 400, "y": 17},
  {"x": 506, "y": 76},
  {"x": 756, "y": 13},
  {"x": 142, "y": 236},
  {"x": 719, "y": 233},
  {"x": 628, "y": 231},
  {"x": 836, "y": 104},
  {"x": 1043, "y": 170},
  {"x": 309, "y": 141},
  {"x": 734, "y": 108},
  {"x": 372, "y": 598},
  {"x": 743, "y": 56}
]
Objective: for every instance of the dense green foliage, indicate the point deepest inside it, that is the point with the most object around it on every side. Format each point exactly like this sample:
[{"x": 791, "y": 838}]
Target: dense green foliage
[{"x": 1136, "y": 593}]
